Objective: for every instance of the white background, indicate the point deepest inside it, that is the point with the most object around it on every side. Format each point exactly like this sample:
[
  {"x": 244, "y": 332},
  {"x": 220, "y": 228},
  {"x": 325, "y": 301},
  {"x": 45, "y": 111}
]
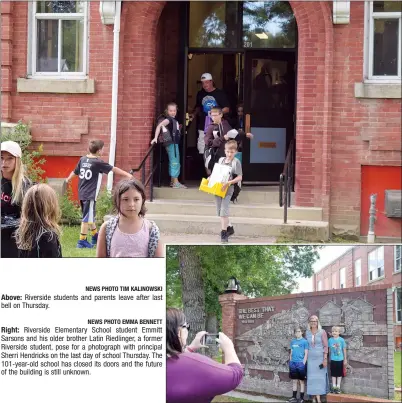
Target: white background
[{"x": 71, "y": 276}]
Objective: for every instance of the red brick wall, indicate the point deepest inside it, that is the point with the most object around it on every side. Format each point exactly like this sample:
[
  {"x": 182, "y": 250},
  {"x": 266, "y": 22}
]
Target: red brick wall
[{"x": 6, "y": 59}]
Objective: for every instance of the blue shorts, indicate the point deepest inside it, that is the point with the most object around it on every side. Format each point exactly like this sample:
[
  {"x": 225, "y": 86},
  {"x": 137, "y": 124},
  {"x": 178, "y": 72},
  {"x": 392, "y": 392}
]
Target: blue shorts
[
  {"x": 88, "y": 208},
  {"x": 297, "y": 370}
]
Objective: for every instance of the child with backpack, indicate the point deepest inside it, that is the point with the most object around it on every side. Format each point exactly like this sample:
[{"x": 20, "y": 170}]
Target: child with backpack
[
  {"x": 128, "y": 233},
  {"x": 236, "y": 175},
  {"x": 38, "y": 235},
  {"x": 170, "y": 138},
  {"x": 89, "y": 170},
  {"x": 217, "y": 135}
]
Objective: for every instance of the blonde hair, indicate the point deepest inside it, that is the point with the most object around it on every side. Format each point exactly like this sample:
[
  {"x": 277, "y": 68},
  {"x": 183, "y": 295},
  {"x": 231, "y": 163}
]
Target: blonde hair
[
  {"x": 165, "y": 112},
  {"x": 40, "y": 214},
  {"x": 336, "y": 328},
  {"x": 319, "y": 327},
  {"x": 231, "y": 144},
  {"x": 18, "y": 181}
]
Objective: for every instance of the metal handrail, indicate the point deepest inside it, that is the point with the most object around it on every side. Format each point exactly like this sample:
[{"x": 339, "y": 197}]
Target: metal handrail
[
  {"x": 286, "y": 180},
  {"x": 141, "y": 167}
]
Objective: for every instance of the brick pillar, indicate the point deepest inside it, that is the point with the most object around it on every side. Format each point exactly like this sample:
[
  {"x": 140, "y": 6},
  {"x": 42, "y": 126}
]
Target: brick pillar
[
  {"x": 228, "y": 304},
  {"x": 6, "y": 59}
]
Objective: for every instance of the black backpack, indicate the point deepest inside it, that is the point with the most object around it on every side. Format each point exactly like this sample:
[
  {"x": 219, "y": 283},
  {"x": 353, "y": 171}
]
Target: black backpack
[{"x": 166, "y": 137}]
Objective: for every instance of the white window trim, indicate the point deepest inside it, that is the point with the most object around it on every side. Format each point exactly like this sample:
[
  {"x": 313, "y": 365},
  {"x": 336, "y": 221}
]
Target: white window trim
[
  {"x": 396, "y": 306},
  {"x": 342, "y": 270},
  {"x": 368, "y": 265},
  {"x": 400, "y": 258},
  {"x": 369, "y": 46},
  {"x": 360, "y": 276},
  {"x": 32, "y": 29},
  {"x": 319, "y": 285}
]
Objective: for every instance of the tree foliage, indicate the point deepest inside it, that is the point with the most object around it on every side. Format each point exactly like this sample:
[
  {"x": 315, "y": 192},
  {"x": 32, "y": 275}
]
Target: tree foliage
[{"x": 261, "y": 270}]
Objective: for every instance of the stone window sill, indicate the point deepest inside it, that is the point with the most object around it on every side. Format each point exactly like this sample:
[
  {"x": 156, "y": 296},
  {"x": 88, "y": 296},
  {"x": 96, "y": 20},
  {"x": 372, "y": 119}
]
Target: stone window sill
[
  {"x": 68, "y": 86},
  {"x": 377, "y": 279},
  {"x": 378, "y": 90}
]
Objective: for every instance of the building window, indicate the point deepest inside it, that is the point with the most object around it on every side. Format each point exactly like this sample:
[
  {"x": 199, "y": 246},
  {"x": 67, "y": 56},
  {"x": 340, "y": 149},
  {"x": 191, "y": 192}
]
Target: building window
[
  {"x": 383, "y": 40},
  {"x": 342, "y": 278},
  {"x": 358, "y": 273},
  {"x": 333, "y": 285},
  {"x": 58, "y": 40},
  {"x": 376, "y": 263},
  {"x": 319, "y": 286},
  {"x": 398, "y": 305},
  {"x": 398, "y": 258}
]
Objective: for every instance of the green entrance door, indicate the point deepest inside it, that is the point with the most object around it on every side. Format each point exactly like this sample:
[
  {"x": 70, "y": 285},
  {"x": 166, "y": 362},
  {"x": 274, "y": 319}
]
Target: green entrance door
[{"x": 269, "y": 94}]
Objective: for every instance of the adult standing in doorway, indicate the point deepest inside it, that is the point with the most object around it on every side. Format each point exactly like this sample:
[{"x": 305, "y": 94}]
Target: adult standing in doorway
[
  {"x": 317, "y": 371},
  {"x": 207, "y": 98}
]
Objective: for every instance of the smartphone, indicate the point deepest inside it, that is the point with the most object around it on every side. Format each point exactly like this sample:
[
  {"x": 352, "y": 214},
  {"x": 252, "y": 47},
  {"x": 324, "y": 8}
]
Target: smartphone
[
  {"x": 321, "y": 366},
  {"x": 209, "y": 339}
]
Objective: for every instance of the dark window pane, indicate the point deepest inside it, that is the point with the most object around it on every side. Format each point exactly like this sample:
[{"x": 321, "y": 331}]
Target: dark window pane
[
  {"x": 213, "y": 24},
  {"x": 387, "y": 6},
  {"x": 59, "y": 6},
  {"x": 385, "y": 61},
  {"x": 268, "y": 25},
  {"x": 71, "y": 52},
  {"x": 47, "y": 36}
]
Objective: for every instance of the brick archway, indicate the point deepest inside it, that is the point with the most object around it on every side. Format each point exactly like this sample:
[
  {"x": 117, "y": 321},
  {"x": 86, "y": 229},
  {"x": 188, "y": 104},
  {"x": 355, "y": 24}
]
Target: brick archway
[{"x": 314, "y": 93}]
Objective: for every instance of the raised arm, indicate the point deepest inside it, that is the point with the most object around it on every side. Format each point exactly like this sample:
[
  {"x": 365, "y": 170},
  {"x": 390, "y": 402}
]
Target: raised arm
[{"x": 164, "y": 122}]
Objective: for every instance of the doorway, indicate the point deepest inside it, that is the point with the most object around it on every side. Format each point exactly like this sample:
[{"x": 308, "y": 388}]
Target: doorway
[{"x": 250, "y": 49}]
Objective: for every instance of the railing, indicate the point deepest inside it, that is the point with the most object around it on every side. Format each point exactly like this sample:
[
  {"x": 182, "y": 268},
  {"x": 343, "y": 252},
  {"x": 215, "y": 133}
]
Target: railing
[
  {"x": 150, "y": 178},
  {"x": 286, "y": 180}
]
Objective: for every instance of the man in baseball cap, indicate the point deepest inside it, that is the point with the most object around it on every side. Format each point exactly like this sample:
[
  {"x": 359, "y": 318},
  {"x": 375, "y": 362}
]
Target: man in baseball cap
[
  {"x": 206, "y": 77},
  {"x": 12, "y": 148}
]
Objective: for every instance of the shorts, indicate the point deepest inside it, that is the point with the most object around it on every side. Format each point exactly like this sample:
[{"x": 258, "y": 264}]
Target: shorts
[
  {"x": 88, "y": 208},
  {"x": 297, "y": 370},
  {"x": 337, "y": 369},
  {"x": 222, "y": 204}
]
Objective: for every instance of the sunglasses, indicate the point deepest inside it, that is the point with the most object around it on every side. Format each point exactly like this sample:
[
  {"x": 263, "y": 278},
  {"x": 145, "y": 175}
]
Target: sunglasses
[{"x": 185, "y": 326}]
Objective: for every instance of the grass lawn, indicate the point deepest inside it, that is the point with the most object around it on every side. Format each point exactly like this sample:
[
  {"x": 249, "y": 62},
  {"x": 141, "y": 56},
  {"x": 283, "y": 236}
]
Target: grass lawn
[
  {"x": 397, "y": 370},
  {"x": 69, "y": 238},
  {"x": 225, "y": 399}
]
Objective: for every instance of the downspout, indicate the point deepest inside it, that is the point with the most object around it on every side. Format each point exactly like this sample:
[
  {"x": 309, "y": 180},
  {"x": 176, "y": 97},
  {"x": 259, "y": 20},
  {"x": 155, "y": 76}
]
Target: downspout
[{"x": 115, "y": 87}]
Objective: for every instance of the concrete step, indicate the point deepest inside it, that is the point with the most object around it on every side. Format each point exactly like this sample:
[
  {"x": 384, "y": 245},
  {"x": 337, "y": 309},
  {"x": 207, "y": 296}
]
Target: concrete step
[
  {"x": 205, "y": 208},
  {"x": 248, "y": 195},
  {"x": 313, "y": 231}
]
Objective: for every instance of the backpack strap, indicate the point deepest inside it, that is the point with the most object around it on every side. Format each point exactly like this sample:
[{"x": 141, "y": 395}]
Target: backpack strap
[
  {"x": 154, "y": 236},
  {"x": 110, "y": 228}
]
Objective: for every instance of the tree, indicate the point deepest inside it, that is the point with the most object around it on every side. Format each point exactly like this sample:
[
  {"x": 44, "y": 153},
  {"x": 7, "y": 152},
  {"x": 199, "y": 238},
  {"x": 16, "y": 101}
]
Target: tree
[{"x": 197, "y": 275}]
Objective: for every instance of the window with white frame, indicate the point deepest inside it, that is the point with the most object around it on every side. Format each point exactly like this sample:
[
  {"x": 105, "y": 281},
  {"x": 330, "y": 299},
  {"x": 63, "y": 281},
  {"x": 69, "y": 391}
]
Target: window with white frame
[
  {"x": 376, "y": 263},
  {"x": 333, "y": 284},
  {"x": 398, "y": 258},
  {"x": 358, "y": 273},
  {"x": 58, "y": 40},
  {"x": 319, "y": 286},
  {"x": 398, "y": 304},
  {"x": 383, "y": 40},
  {"x": 342, "y": 278}
]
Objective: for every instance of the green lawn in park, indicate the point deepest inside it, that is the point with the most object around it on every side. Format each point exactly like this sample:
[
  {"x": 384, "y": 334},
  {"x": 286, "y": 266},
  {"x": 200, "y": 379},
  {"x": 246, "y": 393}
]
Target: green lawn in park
[
  {"x": 227, "y": 399},
  {"x": 69, "y": 238},
  {"x": 397, "y": 370}
]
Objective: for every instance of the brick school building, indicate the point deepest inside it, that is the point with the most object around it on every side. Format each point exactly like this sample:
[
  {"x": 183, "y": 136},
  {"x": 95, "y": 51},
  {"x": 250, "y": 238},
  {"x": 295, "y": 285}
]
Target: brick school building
[{"x": 331, "y": 74}]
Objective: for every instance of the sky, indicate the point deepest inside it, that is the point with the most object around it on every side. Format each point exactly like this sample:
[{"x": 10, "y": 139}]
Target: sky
[{"x": 327, "y": 255}]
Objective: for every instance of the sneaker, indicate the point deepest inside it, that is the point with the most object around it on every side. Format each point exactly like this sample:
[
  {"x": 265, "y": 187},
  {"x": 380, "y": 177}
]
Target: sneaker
[
  {"x": 301, "y": 400},
  {"x": 292, "y": 400},
  {"x": 224, "y": 236},
  {"x": 94, "y": 239},
  {"x": 230, "y": 231},
  {"x": 178, "y": 185},
  {"x": 338, "y": 391},
  {"x": 83, "y": 243}
]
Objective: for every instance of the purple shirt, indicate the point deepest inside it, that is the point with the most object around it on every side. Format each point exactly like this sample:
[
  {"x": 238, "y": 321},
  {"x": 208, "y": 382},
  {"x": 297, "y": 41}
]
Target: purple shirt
[{"x": 195, "y": 378}]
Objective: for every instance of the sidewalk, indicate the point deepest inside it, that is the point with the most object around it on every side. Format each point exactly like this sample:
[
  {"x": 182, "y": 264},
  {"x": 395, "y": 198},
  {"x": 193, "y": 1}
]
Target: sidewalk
[{"x": 211, "y": 239}]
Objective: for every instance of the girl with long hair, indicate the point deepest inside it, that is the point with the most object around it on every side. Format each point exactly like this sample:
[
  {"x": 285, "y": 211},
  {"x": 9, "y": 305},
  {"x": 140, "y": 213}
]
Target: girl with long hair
[
  {"x": 38, "y": 234},
  {"x": 129, "y": 233},
  {"x": 171, "y": 140},
  {"x": 192, "y": 377},
  {"x": 14, "y": 185}
]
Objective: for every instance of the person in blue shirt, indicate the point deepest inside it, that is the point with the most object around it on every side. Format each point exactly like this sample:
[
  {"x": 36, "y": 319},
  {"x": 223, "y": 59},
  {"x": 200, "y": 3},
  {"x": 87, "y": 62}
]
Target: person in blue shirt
[
  {"x": 337, "y": 354},
  {"x": 297, "y": 364}
]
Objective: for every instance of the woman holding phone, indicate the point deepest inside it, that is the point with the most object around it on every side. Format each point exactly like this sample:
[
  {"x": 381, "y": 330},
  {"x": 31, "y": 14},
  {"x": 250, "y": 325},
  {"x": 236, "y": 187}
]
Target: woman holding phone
[
  {"x": 317, "y": 373},
  {"x": 193, "y": 377}
]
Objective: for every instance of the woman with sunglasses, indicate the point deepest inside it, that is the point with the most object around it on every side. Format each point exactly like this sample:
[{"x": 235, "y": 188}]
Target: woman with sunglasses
[
  {"x": 317, "y": 373},
  {"x": 193, "y": 377}
]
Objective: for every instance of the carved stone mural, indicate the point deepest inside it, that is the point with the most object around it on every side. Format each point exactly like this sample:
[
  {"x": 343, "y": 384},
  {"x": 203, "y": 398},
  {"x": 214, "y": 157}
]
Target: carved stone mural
[{"x": 265, "y": 327}]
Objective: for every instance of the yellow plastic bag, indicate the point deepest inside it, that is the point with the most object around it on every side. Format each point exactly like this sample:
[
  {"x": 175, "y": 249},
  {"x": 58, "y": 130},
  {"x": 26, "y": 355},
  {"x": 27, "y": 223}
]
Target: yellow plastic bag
[{"x": 215, "y": 190}]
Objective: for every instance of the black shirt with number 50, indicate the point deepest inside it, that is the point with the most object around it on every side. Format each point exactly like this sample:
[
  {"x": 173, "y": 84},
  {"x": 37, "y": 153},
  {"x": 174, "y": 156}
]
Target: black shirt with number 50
[{"x": 89, "y": 171}]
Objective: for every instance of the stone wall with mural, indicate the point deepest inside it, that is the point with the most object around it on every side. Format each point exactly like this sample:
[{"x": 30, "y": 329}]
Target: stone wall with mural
[{"x": 265, "y": 326}]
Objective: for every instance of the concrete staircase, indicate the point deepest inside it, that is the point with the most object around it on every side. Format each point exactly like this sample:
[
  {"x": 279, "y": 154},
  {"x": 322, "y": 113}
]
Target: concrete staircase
[{"x": 257, "y": 215}]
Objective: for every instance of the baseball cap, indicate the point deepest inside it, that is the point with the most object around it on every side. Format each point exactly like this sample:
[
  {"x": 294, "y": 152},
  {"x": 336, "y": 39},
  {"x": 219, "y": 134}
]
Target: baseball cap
[
  {"x": 11, "y": 147},
  {"x": 206, "y": 77}
]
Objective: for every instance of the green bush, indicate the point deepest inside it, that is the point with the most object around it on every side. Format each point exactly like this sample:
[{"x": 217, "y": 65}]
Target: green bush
[
  {"x": 70, "y": 209},
  {"x": 104, "y": 204},
  {"x": 32, "y": 159}
]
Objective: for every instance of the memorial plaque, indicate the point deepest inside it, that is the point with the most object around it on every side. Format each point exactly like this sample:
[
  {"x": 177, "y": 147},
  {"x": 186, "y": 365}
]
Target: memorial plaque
[{"x": 393, "y": 203}]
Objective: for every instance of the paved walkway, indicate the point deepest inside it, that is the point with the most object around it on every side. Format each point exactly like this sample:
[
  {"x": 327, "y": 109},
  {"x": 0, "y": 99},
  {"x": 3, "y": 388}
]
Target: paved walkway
[
  {"x": 211, "y": 239},
  {"x": 252, "y": 398}
]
